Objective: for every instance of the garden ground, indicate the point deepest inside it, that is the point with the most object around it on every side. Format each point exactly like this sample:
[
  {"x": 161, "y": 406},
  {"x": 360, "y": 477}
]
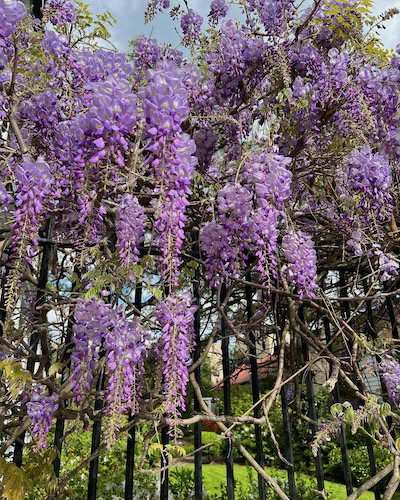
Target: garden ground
[{"x": 215, "y": 474}]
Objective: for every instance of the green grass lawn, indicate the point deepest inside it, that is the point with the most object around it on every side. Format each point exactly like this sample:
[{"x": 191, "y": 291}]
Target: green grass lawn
[{"x": 215, "y": 474}]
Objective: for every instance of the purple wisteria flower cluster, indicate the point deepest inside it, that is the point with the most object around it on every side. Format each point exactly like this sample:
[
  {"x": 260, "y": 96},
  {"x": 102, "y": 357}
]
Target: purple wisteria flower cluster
[
  {"x": 148, "y": 52},
  {"x": 326, "y": 430},
  {"x": 129, "y": 226},
  {"x": 368, "y": 175},
  {"x": 126, "y": 347},
  {"x": 301, "y": 270},
  {"x": 171, "y": 158},
  {"x": 176, "y": 317},
  {"x": 388, "y": 265},
  {"x": 102, "y": 129},
  {"x": 99, "y": 331},
  {"x": 389, "y": 369},
  {"x": 275, "y": 15},
  {"x": 34, "y": 184},
  {"x": 191, "y": 25},
  {"x": 224, "y": 242},
  {"x": 364, "y": 186},
  {"x": 11, "y": 12},
  {"x": 59, "y": 12},
  {"x": 93, "y": 319},
  {"x": 218, "y": 10},
  {"x": 234, "y": 56},
  {"x": 248, "y": 219},
  {"x": 41, "y": 409}
]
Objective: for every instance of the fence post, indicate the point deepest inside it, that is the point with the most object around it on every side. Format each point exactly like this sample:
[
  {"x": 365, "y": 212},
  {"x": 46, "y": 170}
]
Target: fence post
[
  {"x": 230, "y": 485},
  {"x": 288, "y": 444},
  {"x": 34, "y": 340},
  {"x": 287, "y": 428},
  {"x": 255, "y": 390},
  {"x": 342, "y": 434},
  {"x": 346, "y": 316},
  {"x": 96, "y": 434},
  {"x": 392, "y": 316},
  {"x": 198, "y": 456},
  {"x": 130, "y": 445},
  {"x": 164, "y": 463},
  {"x": 311, "y": 407}
]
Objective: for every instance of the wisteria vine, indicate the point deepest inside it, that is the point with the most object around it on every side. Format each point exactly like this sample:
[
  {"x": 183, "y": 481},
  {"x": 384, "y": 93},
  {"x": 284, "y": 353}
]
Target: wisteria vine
[{"x": 266, "y": 153}]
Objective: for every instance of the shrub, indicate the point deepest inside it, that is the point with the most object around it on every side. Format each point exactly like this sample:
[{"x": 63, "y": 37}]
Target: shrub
[
  {"x": 359, "y": 463},
  {"x": 214, "y": 450}
]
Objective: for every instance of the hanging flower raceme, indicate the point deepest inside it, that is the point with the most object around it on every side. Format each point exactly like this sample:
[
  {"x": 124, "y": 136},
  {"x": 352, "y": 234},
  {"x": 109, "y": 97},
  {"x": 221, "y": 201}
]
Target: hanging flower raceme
[
  {"x": 264, "y": 233},
  {"x": 367, "y": 176},
  {"x": 165, "y": 108},
  {"x": 176, "y": 317},
  {"x": 235, "y": 55},
  {"x": 225, "y": 242},
  {"x": 275, "y": 15},
  {"x": 191, "y": 24},
  {"x": 301, "y": 269},
  {"x": 153, "y": 7},
  {"x": 101, "y": 131},
  {"x": 41, "y": 409},
  {"x": 389, "y": 369},
  {"x": 126, "y": 347},
  {"x": 269, "y": 175},
  {"x": 93, "y": 319},
  {"x": 11, "y": 12},
  {"x": 59, "y": 12},
  {"x": 248, "y": 219},
  {"x": 363, "y": 183},
  {"x": 218, "y": 10},
  {"x": 99, "y": 331},
  {"x": 148, "y": 52},
  {"x": 129, "y": 226},
  {"x": 33, "y": 185}
]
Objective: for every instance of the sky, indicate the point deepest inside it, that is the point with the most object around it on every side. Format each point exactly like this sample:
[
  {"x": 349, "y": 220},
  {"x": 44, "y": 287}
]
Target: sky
[{"x": 130, "y": 20}]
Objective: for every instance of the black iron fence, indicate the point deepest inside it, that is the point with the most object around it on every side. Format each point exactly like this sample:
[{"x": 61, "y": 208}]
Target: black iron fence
[{"x": 374, "y": 320}]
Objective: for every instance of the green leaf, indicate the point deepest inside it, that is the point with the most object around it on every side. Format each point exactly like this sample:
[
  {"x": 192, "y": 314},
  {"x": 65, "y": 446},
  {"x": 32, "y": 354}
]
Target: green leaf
[
  {"x": 384, "y": 410},
  {"x": 90, "y": 293},
  {"x": 147, "y": 261},
  {"x": 154, "y": 447},
  {"x": 55, "y": 368},
  {"x": 336, "y": 409},
  {"x": 137, "y": 270}
]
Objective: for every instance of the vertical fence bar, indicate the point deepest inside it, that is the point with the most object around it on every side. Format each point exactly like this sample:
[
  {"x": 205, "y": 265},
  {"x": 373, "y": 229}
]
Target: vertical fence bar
[
  {"x": 255, "y": 388},
  {"x": 96, "y": 434},
  {"x": 311, "y": 408},
  {"x": 3, "y": 313},
  {"x": 288, "y": 444},
  {"x": 130, "y": 445},
  {"x": 392, "y": 317},
  {"x": 346, "y": 316},
  {"x": 34, "y": 340},
  {"x": 60, "y": 423},
  {"x": 287, "y": 428},
  {"x": 37, "y": 8},
  {"x": 342, "y": 435},
  {"x": 198, "y": 456},
  {"x": 374, "y": 335},
  {"x": 164, "y": 486},
  {"x": 230, "y": 485},
  {"x": 372, "y": 331}
]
